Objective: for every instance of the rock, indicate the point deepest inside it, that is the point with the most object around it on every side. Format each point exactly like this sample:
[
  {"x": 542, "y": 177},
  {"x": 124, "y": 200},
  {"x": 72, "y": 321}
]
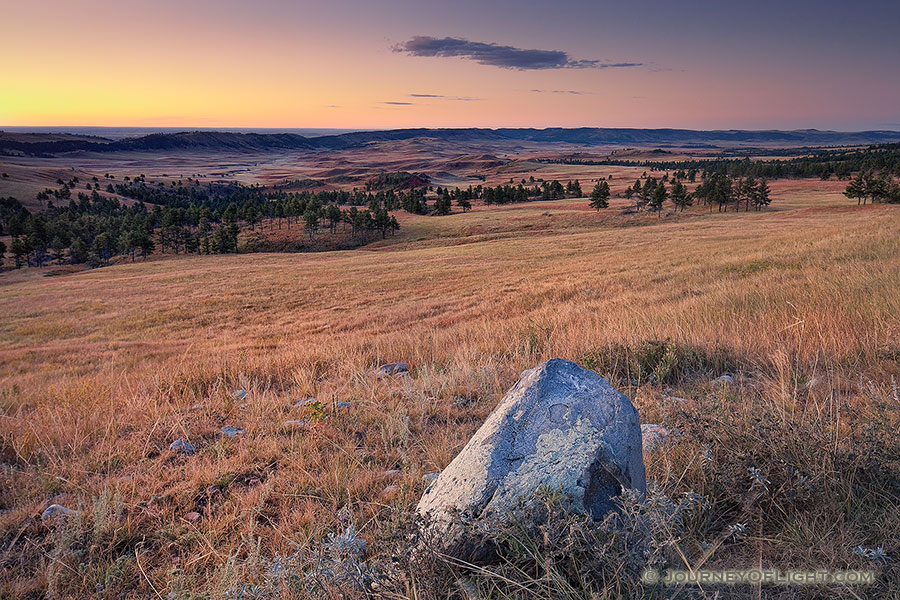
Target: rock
[
  {"x": 724, "y": 380},
  {"x": 342, "y": 404},
  {"x": 192, "y": 517},
  {"x": 56, "y": 510},
  {"x": 561, "y": 427},
  {"x": 653, "y": 436},
  {"x": 392, "y": 472},
  {"x": 305, "y": 402},
  {"x": 298, "y": 424},
  {"x": 389, "y": 493},
  {"x": 232, "y": 431},
  {"x": 392, "y": 369},
  {"x": 239, "y": 394},
  {"x": 182, "y": 447},
  {"x": 429, "y": 478}
]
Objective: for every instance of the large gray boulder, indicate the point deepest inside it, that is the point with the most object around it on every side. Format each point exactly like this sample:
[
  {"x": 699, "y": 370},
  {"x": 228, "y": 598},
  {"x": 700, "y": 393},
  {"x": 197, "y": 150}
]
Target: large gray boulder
[{"x": 561, "y": 427}]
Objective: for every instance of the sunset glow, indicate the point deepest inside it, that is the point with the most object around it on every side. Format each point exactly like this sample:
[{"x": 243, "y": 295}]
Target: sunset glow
[{"x": 275, "y": 63}]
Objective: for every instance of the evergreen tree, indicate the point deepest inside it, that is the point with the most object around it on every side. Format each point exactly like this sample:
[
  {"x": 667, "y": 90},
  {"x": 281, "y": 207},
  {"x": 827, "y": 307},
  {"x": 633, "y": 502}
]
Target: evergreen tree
[
  {"x": 600, "y": 196},
  {"x": 680, "y": 196},
  {"x": 311, "y": 221},
  {"x": 658, "y": 198},
  {"x": 761, "y": 195}
]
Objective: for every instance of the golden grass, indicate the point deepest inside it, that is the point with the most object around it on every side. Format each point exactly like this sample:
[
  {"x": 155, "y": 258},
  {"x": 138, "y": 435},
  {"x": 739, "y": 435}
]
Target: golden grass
[{"x": 101, "y": 370}]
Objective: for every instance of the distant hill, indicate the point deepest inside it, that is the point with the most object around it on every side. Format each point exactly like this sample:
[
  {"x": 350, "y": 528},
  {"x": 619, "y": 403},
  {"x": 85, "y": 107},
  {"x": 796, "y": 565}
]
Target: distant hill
[{"x": 57, "y": 143}]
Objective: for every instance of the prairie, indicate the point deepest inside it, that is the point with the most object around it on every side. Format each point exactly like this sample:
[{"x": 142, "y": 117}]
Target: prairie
[{"x": 101, "y": 370}]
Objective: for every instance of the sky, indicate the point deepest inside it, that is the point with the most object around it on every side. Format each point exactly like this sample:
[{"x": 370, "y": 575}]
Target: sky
[{"x": 721, "y": 64}]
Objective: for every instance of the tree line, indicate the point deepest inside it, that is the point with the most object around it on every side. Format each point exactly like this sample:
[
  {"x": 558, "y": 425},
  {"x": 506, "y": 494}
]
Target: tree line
[
  {"x": 715, "y": 189},
  {"x": 822, "y": 163}
]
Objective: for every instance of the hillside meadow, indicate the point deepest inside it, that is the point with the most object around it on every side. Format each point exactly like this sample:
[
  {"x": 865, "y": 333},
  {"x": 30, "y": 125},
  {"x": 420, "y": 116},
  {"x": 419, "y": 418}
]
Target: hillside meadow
[{"x": 101, "y": 370}]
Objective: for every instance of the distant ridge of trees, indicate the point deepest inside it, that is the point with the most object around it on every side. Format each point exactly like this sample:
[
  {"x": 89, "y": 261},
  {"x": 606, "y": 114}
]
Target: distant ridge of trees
[{"x": 884, "y": 158}]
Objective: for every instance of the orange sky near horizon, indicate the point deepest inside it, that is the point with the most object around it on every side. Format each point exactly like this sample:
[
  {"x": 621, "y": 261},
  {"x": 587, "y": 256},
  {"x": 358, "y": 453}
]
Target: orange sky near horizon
[{"x": 279, "y": 64}]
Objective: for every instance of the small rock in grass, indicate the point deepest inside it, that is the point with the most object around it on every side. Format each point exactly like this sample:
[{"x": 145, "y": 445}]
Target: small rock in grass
[
  {"x": 182, "y": 447},
  {"x": 392, "y": 369},
  {"x": 305, "y": 402},
  {"x": 342, "y": 404},
  {"x": 724, "y": 379},
  {"x": 232, "y": 431},
  {"x": 298, "y": 424},
  {"x": 389, "y": 492},
  {"x": 192, "y": 516},
  {"x": 56, "y": 510},
  {"x": 239, "y": 394},
  {"x": 652, "y": 436},
  {"x": 392, "y": 472},
  {"x": 429, "y": 478}
]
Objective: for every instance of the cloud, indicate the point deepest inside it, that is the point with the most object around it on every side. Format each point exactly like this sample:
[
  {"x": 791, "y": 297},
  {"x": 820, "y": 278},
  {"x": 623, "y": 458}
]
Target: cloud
[
  {"x": 441, "y": 97},
  {"x": 399, "y": 103},
  {"x": 571, "y": 92},
  {"x": 496, "y": 55}
]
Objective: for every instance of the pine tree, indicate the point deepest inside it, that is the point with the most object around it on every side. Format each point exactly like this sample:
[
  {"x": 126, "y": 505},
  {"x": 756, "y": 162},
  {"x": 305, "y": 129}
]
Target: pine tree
[
  {"x": 311, "y": 221},
  {"x": 761, "y": 195},
  {"x": 658, "y": 198},
  {"x": 600, "y": 196},
  {"x": 680, "y": 196}
]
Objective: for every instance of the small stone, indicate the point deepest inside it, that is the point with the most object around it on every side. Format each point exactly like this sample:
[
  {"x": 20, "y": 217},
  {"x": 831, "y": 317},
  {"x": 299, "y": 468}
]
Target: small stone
[
  {"x": 677, "y": 399},
  {"x": 392, "y": 472},
  {"x": 213, "y": 490},
  {"x": 192, "y": 516},
  {"x": 652, "y": 436},
  {"x": 298, "y": 424},
  {"x": 239, "y": 394},
  {"x": 342, "y": 404},
  {"x": 232, "y": 431},
  {"x": 389, "y": 492},
  {"x": 305, "y": 402},
  {"x": 392, "y": 369},
  {"x": 429, "y": 478},
  {"x": 724, "y": 379},
  {"x": 182, "y": 447},
  {"x": 56, "y": 510}
]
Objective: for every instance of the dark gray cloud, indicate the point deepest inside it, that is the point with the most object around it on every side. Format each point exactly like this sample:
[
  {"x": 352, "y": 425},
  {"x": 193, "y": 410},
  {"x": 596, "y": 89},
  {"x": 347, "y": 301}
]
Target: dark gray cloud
[
  {"x": 496, "y": 55},
  {"x": 400, "y": 103}
]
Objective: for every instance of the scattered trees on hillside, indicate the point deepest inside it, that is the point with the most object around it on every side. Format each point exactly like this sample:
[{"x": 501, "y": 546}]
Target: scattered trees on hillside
[{"x": 876, "y": 188}]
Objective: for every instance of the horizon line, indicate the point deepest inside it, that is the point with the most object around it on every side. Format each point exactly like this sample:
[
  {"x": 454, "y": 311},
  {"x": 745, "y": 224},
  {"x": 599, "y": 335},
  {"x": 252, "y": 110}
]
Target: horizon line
[{"x": 189, "y": 128}]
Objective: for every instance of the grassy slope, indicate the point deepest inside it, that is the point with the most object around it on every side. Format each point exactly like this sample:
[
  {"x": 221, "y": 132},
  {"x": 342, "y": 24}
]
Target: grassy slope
[{"x": 101, "y": 370}]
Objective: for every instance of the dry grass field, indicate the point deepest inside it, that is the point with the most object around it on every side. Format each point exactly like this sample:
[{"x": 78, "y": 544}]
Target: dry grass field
[{"x": 101, "y": 370}]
